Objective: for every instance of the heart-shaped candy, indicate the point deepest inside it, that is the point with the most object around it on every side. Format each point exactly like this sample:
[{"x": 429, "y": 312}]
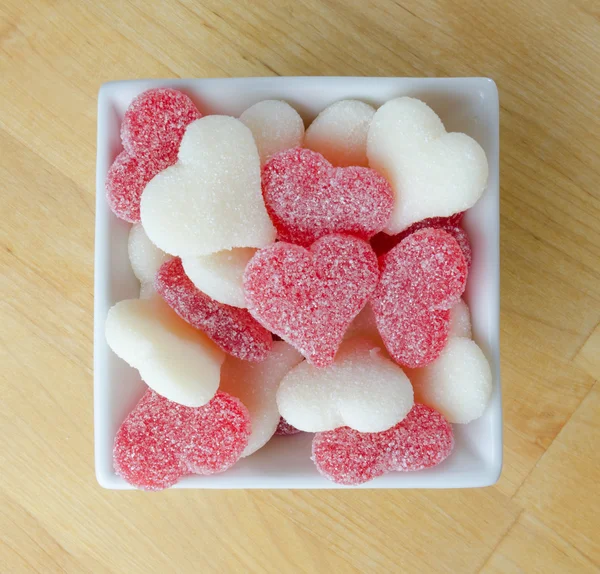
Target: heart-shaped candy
[
  {"x": 232, "y": 328},
  {"x": 340, "y": 133},
  {"x": 161, "y": 441},
  {"x": 432, "y": 172},
  {"x": 151, "y": 132},
  {"x": 210, "y": 199},
  {"x": 176, "y": 360},
  {"x": 256, "y": 384},
  {"x": 309, "y": 297},
  {"x": 145, "y": 258},
  {"x": 421, "y": 440},
  {"x": 458, "y": 383},
  {"x": 275, "y": 125},
  {"x": 307, "y": 198},
  {"x": 421, "y": 279},
  {"x": 220, "y": 274},
  {"x": 362, "y": 390}
]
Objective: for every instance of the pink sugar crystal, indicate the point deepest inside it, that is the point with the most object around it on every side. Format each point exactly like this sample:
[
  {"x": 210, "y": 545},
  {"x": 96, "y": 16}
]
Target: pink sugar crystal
[
  {"x": 307, "y": 198},
  {"x": 285, "y": 429},
  {"x": 126, "y": 180},
  {"x": 155, "y": 122},
  {"x": 421, "y": 279},
  {"x": 309, "y": 297},
  {"x": 161, "y": 441},
  {"x": 422, "y": 440},
  {"x": 232, "y": 328}
]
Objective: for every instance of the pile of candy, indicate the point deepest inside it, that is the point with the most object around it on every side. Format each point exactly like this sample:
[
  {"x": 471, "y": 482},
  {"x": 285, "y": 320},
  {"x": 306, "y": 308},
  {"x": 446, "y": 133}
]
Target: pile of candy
[{"x": 288, "y": 288}]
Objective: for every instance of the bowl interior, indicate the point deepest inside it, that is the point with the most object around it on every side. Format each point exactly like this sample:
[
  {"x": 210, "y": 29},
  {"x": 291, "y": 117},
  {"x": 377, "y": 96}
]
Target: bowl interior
[{"x": 469, "y": 105}]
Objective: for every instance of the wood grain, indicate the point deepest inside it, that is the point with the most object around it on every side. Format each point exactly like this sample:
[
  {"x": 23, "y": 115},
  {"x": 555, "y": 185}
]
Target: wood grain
[{"x": 542, "y": 515}]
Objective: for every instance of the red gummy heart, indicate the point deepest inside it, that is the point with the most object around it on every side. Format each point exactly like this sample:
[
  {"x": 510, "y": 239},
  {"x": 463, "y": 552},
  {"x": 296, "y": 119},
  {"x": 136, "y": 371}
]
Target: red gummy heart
[
  {"x": 422, "y": 440},
  {"x": 232, "y": 328},
  {"x": 161, "y": 441},
  {"x": 382, "y": 242},
  {"x": 151, "y": 132},
  {"x": 126, "y": 180},
  {"x": 309, "y": 297},
  {"x": 155, "y": 122},
  {"x": 307, "y": 198},
  {"x": 421, "y": 279}
]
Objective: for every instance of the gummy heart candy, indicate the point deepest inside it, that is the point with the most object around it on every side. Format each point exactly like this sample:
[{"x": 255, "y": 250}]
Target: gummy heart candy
[
  {"x": 422, "y": 440},
  {"x": 362, "y": 390},
  {"x": 126, "y": 179},
  {"x": 275, "y": 125},
  {"x": 421, "y": 279},
  {"x": 233, "y": 329},
  {"x": 286, "y": 429},
  {"x": 210, "y": 199},
  {"x": 220, "y": 274},
  {"x": 151, "y": 133},
  {"x": 460, "y": 320},
  {"x": 382, "y": 242},
  {"x": 309, "y": 296},
  {"x": 161, "y": 441},
  {"x": 432, "y": 172},
  {"x": 340, "y": 132},
  {"x": 145, "y": 258},
  {"x": 307, "y": 198},
  {"x": 256, "y": 384},
  {"x": 458, "y": 383},
  {"x": 173, "y": 358},
  {"x": 155, "y": 122}
]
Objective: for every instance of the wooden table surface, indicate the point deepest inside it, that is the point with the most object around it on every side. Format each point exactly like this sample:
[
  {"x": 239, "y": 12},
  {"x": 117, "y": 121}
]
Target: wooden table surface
[{"x": 542, "y": 516}]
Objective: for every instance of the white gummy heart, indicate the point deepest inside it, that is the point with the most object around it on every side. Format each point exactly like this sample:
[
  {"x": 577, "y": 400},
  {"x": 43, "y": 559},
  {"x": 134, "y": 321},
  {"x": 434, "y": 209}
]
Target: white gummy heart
[
  {"x": 220, "y": 275},
  {"x": 275, "y": 125},
  {"x": 339, "y": 133},
  {"x": 211, "y": 199},
  {"x": 432, "y": 172},
  {"x": 460, "y": 320},
  {"x": 458, "y": 383},
  {"x": 256, "y": 384},
  {"x": 362, "y": 390},
  {"x": 145, "y": 259},
  {"x": 174, "y": 359}
]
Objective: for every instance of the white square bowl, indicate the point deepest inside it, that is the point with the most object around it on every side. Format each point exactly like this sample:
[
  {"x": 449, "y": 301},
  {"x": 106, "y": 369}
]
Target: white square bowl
[{"x": 467, "y": 105}]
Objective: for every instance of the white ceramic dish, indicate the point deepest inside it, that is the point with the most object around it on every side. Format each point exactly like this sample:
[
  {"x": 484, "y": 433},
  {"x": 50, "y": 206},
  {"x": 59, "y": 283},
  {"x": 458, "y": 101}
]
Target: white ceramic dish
[{"x": 468, "y": 105}]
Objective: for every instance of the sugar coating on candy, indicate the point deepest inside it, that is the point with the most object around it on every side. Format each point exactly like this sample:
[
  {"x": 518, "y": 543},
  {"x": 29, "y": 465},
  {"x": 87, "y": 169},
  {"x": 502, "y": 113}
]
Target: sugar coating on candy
[
  {"x": 362, "y": 389},
  {"x": 340, "y": 132},
  {"x": 421, "y": 440},
  {"x": 161, "y": 441},
  {"x": 421, "y": 279},
  {"x": 256, "y": 384},
  {"x": 155, "y": 122},
  {"x": 231, "y": 328},
  {"x": 211, "y": 199},
  {"x": 286, "y": 429},
  {"x": 174, "y": 359},
  {"x": 220, "y": 274},
  {"x": 147, "y": 290},
  {"x": 460, "y": 320},
  {"x": 432, "y": 173},
  {"x": 126, "y": 179},
  {"x": 382, "y": 242},
  {"x": 275, "y": 125},
  {"x": 458, "y": 383},
  {"x": 307, "y": 198},
  {"x": 144, "y": 256},
  {"x": 309, "y": 297}
]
